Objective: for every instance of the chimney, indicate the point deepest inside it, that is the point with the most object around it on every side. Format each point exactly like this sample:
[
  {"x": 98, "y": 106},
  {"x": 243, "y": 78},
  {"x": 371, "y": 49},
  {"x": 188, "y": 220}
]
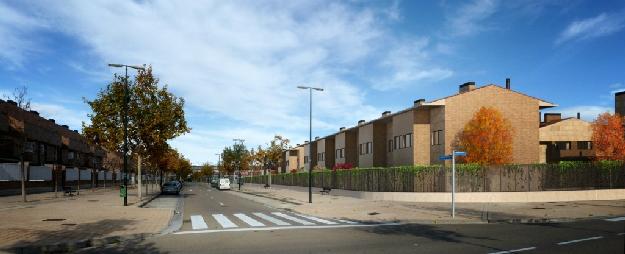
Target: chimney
[
  {"x": 65, "y": 126},
  {"x": 508, "y": 83},
  {"x": 552, "y": 117},
  {"x": 317, "y": 137},
  {"x": 619, "y": 103},
  {"x": 51, "y": 120},
  {"x": 361, "y": 122},
  {"x": 1, "y": 100},
  {"x": 386, "y": 113},
  {"x": 75, "y": 131},
  {"x": 306, "y": 142},
  {"x": 579, "y": 115},
  {"x": 419, "y": 102},
  {"x": 467, "y": 87},
  {"x": 342, "y": 128},
  {"x": 34, "y": 112},
  {"x": 12, "y": 102}
]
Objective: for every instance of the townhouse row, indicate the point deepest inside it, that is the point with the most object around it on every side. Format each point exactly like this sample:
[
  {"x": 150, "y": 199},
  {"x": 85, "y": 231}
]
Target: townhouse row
[{"x": 420, "y": 134}]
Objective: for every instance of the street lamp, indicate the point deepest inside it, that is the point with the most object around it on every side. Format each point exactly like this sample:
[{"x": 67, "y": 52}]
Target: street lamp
[
  {"x": 239, "y": 161},
  {"x": 310, "y": 141},
  {"x": 125, "y": 119}
]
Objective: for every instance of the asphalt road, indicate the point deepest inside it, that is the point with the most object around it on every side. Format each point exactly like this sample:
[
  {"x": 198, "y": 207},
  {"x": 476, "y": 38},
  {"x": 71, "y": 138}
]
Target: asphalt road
[{"x": 212, "y": 206}]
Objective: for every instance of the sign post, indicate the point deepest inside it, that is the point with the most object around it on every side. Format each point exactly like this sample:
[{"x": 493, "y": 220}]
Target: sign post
[{"x": 452, "y": 157}]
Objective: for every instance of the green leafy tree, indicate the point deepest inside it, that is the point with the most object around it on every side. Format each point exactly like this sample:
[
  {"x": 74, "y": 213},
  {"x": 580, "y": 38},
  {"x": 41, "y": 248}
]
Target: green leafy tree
[{"x": 155, "y": 116}]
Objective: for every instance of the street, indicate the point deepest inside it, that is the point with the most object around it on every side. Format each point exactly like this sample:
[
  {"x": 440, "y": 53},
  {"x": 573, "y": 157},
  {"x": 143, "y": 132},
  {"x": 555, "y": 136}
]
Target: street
[{"x": 220, "y": 222}]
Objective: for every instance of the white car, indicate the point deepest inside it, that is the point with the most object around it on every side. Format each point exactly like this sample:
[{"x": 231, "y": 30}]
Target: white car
[{"x": 224, "y": 184}]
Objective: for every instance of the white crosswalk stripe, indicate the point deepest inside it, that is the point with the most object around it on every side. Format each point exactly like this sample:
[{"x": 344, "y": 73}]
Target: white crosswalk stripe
[
  {"x": 249, "y": 220},
  {"x": 615, "y": 219},
  {"x": 291, "y": 218},
  {"x": 197, "y": 222},
  {"x": 227, "y": 221},
  {"x": 348, "y": 221},
  {"x": 224, "y": 221},
  {"x": 317, "y": 219},
  {"x": 272, "y": 219}
]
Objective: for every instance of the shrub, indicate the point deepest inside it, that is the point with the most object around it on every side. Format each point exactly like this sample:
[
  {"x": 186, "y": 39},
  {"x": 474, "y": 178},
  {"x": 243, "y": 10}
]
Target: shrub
[{"x": 342, "y": 166}]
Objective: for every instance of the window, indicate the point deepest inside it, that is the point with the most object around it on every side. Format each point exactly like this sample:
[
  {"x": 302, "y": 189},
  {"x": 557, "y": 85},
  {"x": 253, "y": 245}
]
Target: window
[
  {"x": 403, "y": 142},
  {"x": 360, "y": 149},
  {"x": 305, "y": 159},
  {"x": 409, "y": 139},
  {"x": 395, "y": 142},
  {"x": 584, "y": 145},
  {"x": 563, "y": 145},
  {"x": 369, "y": 147},
  {"x": 390, "y": 145},
  {"x": 437, "y": 137},
  {"x": 342, "y": 152}
]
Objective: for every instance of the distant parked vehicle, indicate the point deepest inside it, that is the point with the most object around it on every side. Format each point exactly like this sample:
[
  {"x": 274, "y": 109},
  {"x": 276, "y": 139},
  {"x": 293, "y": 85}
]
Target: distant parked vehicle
[
  {"x": 224, "y": 184},
  {"x": 171, "y": 187}
]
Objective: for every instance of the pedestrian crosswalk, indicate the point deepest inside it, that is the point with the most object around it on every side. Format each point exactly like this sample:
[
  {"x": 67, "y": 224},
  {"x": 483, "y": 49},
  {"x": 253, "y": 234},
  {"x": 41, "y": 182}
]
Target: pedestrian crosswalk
[{"x": 259, "y": 220}]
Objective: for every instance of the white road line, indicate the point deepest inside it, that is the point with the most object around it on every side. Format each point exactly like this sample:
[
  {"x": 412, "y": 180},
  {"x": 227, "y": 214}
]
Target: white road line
[
  {"x": 272, "y": 219},
  {"x": 291, "y": 218},
  {"x": 280, "y": 228},
  {"x": 347, "y": 221},
  {"x": 620, "y": 234},
  {"x": 197, "y": 222},
  {"x": 317, "y": 219},
  {"x": 221, "y": 204},
  {"x": 615, "y": 219},
  {"x": 506, "y": 251},
  {"x": 224, "y": 221},
  {"x": 248, "y": 220},
  {"x": 580, "y": 240}
]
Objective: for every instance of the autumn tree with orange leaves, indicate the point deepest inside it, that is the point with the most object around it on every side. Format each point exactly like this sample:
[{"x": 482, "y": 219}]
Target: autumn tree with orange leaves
[
  {"x": 608, "y": 137},
  {"x": 486, "y": 138}
]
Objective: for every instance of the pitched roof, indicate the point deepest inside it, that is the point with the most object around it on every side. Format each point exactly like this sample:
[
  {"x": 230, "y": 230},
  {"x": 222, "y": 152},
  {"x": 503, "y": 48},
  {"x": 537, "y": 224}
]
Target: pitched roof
[{"x": 544, "y": 103}]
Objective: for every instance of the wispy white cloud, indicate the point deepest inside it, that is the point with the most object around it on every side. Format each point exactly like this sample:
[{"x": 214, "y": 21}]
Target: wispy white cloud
[
  {"x": 469, "y": 18},
  {"x": 14, "y": 29},
  {"x": 411, "y": 66},
  {"x": 601, "y": 25}
]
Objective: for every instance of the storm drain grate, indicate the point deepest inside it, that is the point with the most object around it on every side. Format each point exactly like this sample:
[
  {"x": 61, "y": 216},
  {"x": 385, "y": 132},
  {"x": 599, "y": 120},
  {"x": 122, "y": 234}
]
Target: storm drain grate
[
  {"x": 53, "y": 220},
  {"x": 69, "y": 224},
  {"x": 538, "y": 208},
  {"x": 92, "y": 200}
]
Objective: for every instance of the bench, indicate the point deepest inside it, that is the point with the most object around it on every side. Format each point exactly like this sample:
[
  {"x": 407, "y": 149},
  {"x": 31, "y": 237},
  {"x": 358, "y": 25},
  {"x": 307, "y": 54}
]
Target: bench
[
  {"x": 68, "y": 191},
  {"x": 325, "y": 190}
]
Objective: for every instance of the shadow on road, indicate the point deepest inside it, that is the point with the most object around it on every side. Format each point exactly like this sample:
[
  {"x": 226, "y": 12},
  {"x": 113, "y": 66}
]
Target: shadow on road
[
  {"x": 69, "y": 235},
  {"x": 433, "y": 233}
]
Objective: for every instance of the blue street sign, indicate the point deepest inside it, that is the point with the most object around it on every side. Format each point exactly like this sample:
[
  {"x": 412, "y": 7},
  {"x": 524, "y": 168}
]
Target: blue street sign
[
  {"x": 460, "y": 153},
  {"x": 444, "y": 157}
]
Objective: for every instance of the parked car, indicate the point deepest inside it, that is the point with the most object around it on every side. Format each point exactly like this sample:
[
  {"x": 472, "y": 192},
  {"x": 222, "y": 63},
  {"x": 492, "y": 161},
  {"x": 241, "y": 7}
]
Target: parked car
[
  {"x": 224, "y": 184},
  {"x": 171, "y": 187},
  {"x": 214, "y": 182}
]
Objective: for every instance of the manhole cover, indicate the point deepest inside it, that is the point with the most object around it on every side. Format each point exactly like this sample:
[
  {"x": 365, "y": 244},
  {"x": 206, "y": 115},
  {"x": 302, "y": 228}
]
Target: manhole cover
[
  {"x": 69, "y": 224},
  {"x": 538, "y": 208},
  {"x": 374, "y": 213},
  {"x": 54, "y": 220}
]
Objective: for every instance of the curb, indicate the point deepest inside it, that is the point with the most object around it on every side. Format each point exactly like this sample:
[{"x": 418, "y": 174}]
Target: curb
[
  {"x": 81, "y": 244},
  {"x": 145, "y": 202}
]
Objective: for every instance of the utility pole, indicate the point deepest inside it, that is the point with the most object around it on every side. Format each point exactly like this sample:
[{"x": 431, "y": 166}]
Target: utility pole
[{"x": 310, "y": 140}]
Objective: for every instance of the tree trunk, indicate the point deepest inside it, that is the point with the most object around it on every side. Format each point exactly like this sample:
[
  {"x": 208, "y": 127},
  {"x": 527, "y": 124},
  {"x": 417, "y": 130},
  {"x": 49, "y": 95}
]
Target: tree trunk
[{"x": 139, "y": 175}]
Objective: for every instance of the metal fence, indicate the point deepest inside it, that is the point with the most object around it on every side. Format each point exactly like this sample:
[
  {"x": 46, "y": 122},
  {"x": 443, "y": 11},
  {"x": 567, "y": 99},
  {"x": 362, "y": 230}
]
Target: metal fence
[{"x": 536, "y": 177}]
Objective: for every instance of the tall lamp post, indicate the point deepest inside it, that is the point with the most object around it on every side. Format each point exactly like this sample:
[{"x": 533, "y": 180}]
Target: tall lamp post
[
  {"x": 310, "y": 141},
  {"x": 239, "y": 161},
  {"x": 125, "y": 119}
]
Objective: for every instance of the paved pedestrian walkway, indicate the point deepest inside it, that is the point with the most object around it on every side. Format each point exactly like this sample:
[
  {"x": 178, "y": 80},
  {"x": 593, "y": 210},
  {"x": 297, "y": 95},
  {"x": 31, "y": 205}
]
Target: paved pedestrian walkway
[
  {"x": 48, "y": 220},
  {"x": 350, "y": 208}
]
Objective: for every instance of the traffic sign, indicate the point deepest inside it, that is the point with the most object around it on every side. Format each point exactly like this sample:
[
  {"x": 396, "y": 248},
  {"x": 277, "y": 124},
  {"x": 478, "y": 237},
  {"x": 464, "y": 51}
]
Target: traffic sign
[
  {"x": 444, "y": 157},
  {"x": 460, "y": 153}
]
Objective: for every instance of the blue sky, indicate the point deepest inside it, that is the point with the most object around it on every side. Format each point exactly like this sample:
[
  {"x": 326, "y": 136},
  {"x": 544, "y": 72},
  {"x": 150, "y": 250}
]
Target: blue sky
[{"x": 237, "y": 62}]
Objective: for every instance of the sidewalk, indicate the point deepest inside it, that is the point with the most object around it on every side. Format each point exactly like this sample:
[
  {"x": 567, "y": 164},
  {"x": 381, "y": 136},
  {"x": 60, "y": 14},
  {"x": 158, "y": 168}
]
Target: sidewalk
[
  {"x": 46, "y": 220},
  {"x": 344, "y": 207}
]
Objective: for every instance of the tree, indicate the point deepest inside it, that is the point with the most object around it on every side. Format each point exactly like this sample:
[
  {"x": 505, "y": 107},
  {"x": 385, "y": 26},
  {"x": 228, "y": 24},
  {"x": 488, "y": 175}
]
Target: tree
[
  {"x": 608, "y": 137},
  {"x": 236, "y": 157},
  {"x": 275, "y": 150},
  {"x": 20, "y": 97},
  {"x": 155, "y": 116},
  {"x": 487, "y": 138}
]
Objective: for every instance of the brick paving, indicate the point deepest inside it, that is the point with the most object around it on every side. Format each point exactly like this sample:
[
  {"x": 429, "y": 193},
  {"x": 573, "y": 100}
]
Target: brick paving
[{"x": 46, "y": 220}]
